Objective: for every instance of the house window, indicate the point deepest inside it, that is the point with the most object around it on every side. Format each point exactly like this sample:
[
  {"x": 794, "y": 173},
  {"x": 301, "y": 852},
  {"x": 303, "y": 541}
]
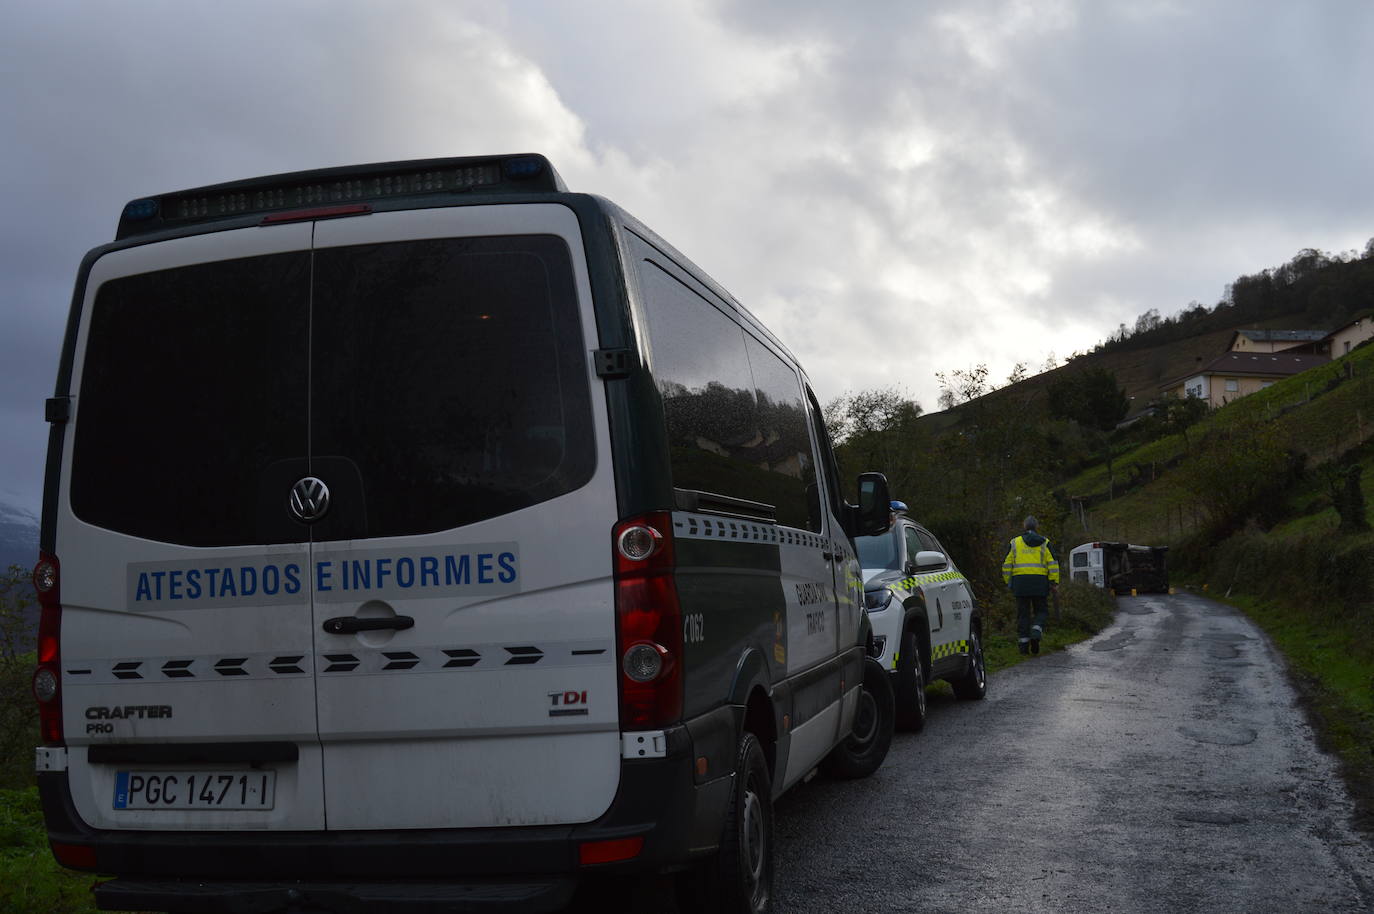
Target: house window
[
  {"x": 1347, "y": 346},
  {"x": 1264, "y": 384},
  {"x": 1232, "y": 385}
]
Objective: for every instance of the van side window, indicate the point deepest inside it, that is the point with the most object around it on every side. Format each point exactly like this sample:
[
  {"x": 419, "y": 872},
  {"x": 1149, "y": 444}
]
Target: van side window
[
  {"x": 827, "y": 459},
  {"x": 930, "y": 543},
  {"x": 733, "y": 409},
  {"x": 786, "y": 447},
  {"x": 913, "y": 543}
]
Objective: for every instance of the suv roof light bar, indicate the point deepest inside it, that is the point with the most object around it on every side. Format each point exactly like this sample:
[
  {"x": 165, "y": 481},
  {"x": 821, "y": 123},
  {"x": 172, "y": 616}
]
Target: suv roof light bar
[{"x": 328, "y": 187}]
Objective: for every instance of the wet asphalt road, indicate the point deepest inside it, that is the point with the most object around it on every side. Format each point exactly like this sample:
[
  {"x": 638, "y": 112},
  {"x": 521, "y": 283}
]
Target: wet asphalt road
[{"x": 1161, "y": 766}]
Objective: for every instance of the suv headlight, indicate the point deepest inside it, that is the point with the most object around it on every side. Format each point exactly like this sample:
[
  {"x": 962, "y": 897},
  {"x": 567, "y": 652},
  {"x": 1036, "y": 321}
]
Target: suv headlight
[{"x": 877, "y": 600}]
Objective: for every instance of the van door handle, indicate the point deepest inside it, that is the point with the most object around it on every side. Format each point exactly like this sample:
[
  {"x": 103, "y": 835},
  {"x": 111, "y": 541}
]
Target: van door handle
[{"x": 348, "y": 625}]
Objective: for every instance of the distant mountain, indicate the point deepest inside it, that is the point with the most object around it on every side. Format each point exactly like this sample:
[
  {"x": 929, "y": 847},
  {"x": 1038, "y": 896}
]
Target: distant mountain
[
  {"x": 18, "y": 536},
  {"x": 19, "y": 546}
]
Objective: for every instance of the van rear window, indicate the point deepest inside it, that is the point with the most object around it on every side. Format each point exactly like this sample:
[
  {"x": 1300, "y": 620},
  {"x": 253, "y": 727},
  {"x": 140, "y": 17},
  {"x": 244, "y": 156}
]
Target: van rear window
[
  {"x": 431, "y": 383},
  {"x": 194, "y": 383},
  {"x": 453, "y": 374}
]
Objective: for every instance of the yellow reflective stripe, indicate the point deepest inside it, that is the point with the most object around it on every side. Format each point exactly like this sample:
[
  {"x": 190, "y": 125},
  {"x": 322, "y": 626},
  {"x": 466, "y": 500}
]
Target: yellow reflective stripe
[
  {"x": 932, "y": 578},
  {"x": 941, "y": 651}
]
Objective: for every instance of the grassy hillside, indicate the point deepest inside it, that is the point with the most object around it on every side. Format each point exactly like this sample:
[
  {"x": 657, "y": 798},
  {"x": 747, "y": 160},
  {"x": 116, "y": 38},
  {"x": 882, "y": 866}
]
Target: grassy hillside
[
  {"x": 1319, "y": 415},
  {"x": 1245, "y": 496}
]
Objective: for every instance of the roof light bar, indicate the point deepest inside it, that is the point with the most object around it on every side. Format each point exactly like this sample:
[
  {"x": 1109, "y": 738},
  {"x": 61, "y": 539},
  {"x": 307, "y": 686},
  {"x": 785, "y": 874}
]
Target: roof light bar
[{"x": 329, "y": 187}]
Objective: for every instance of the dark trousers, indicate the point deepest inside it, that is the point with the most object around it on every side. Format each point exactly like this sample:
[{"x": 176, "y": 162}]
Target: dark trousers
[{"x": 1026, "y": 607}]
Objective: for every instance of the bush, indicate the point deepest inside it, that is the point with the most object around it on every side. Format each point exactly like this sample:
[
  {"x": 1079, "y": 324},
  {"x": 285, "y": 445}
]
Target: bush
[
  {"x": 1311, "y": 571},
  {"x": 1084, "y": 607},
  {"x": 18, "y": 713}
]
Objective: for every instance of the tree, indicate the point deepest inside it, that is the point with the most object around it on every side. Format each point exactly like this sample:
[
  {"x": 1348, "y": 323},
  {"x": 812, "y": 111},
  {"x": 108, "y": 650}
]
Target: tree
[
  {"x": 868, "y": 412},
  {"x": 1343, "y": 482},
  {"x": 1092, "y": 398},
  {"x": 1238, "y": 468},
  {"x": 1180, "y": 414},
  {"x": 962, "y": 385},
  {"x": 1146, "y": 322},
  {"x": 877, "y": 430}
]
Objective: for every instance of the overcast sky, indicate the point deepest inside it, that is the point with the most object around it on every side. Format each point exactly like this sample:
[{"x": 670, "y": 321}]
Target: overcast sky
[{"x": 896, "y": 188}]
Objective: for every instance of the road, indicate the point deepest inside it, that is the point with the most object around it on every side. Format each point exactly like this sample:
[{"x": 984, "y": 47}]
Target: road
[{"x": 1162, "y": 766}]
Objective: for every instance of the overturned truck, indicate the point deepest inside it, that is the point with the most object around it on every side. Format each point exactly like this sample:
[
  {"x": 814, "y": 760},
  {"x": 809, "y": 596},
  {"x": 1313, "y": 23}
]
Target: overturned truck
[{"x": 1121, "y": 567}]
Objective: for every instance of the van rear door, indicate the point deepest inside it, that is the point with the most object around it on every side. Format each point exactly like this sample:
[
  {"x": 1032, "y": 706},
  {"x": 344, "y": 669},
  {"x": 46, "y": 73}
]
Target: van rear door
[
  {"x": 187, "y": 637},
  {"x": 461, "y": 583}
]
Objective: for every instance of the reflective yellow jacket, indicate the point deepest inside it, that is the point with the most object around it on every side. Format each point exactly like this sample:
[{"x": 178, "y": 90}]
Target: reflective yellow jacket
[{"x": 1029, "y": 568}]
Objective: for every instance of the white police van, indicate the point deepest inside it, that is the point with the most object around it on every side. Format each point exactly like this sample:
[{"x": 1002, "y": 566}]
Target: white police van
[
  {"x": 423, "y": 535},
  {"x": 926, "y": 625}
]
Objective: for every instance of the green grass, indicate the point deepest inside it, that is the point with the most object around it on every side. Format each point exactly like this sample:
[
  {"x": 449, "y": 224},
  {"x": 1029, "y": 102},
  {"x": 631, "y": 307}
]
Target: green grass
[
  {"x": 31, "y": 882},
  {"x": 1333, "y": 667}
]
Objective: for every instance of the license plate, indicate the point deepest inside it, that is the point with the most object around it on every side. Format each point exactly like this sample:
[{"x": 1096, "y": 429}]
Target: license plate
[{"x": 194, "y": 789}]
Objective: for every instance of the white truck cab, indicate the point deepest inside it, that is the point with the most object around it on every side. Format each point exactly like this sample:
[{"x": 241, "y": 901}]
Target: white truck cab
[{"x": 425, "y": 534}]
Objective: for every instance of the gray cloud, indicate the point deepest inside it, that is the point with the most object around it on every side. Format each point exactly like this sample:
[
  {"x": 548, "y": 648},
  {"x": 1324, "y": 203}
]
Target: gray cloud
[{"x": 897, "y": 188}]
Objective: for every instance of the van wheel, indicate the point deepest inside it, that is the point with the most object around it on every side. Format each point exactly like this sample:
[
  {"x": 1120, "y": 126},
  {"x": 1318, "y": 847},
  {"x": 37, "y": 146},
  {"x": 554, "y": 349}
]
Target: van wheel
[
  {"x": 866, "y": 746},
  {"x": 739, "y": 879},
  {"x": 911, "y": 685},
  {"x": 973, "y": 685}
]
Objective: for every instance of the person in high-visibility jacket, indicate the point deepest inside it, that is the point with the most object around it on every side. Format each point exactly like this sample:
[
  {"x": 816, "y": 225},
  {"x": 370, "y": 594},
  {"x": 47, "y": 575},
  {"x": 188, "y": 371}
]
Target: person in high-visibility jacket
[{"x": 1030, "y": 571}]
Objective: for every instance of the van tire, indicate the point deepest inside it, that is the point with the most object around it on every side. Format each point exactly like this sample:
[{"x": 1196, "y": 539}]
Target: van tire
[
  {"x": 973, "y": 684},
  {"x": 910, "y": 685},
  {"x": 863, "y": 750},
  {"x": 739, "y": 879}
]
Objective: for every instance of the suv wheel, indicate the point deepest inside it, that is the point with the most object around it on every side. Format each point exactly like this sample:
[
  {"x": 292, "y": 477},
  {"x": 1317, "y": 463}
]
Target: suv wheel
[
  {"x": 973, "y": 685},
  {"x": 910, "y": 685}
]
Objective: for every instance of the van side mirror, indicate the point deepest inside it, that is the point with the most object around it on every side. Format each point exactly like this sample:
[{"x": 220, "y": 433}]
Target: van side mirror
[{"x": 873, "y": 515}]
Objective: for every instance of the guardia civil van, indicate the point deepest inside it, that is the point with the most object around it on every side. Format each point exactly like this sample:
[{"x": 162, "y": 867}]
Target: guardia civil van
[{"x": 423, "y": 536}]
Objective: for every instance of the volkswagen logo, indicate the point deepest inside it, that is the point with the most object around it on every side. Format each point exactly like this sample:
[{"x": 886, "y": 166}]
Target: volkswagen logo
[{"x": 309, "y": 499}]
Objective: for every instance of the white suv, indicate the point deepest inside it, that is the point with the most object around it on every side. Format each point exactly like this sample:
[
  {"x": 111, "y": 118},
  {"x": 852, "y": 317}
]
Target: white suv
[{"x": 926, "y": 625}]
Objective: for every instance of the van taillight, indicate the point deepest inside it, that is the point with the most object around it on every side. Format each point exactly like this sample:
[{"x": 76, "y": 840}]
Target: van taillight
[
  {"x": 47, "y": 678},
  {"x": 648, "y": 622}
]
